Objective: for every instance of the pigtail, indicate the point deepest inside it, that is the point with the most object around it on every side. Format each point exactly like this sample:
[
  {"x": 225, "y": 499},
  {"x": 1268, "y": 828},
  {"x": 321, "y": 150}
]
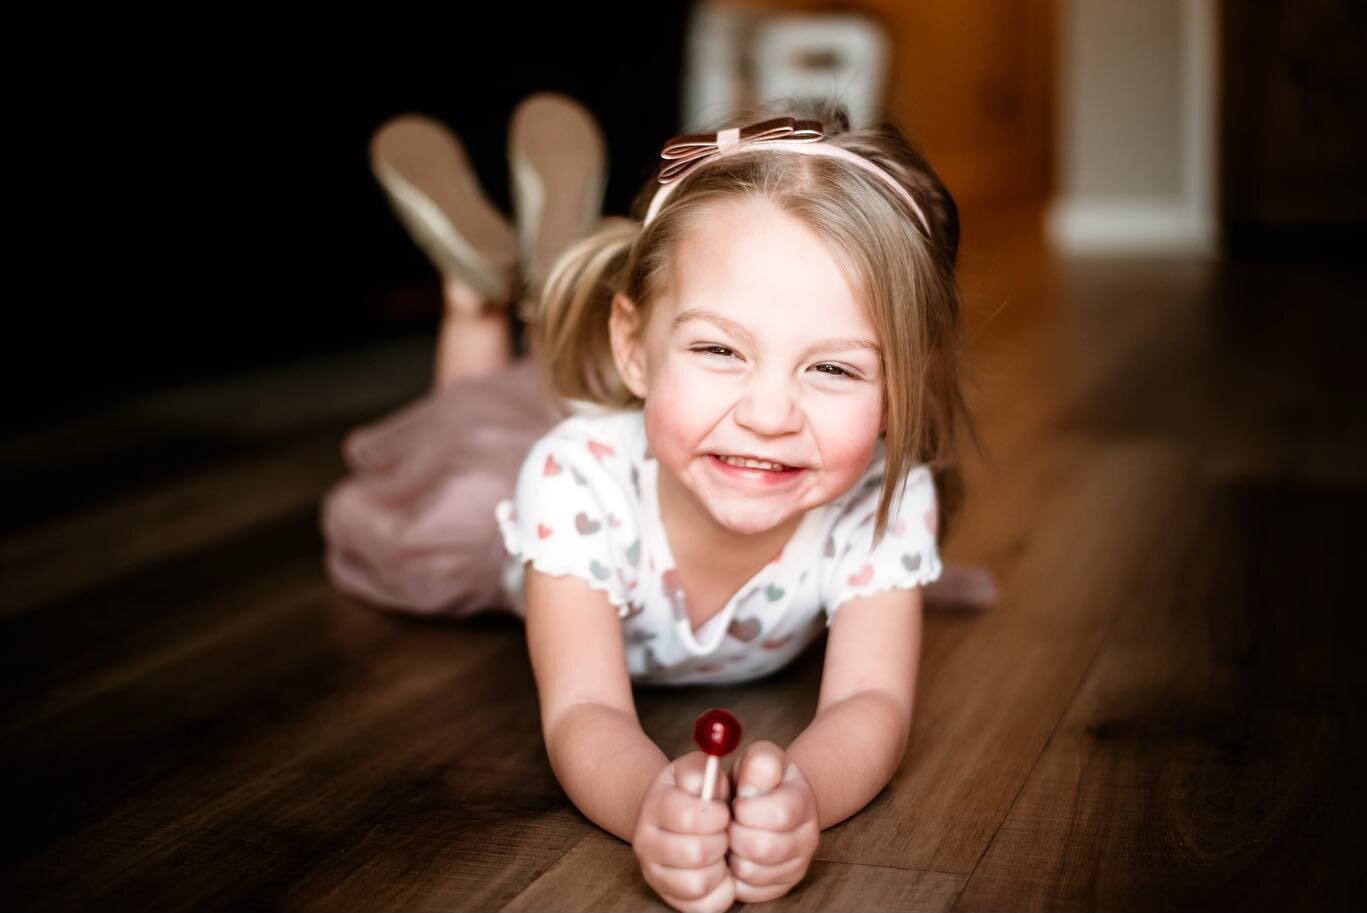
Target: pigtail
[{"x": 571, "y": 322}]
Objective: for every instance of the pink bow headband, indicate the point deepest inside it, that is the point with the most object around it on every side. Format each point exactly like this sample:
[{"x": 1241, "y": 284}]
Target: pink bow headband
[{"x": 684, "y": 153}]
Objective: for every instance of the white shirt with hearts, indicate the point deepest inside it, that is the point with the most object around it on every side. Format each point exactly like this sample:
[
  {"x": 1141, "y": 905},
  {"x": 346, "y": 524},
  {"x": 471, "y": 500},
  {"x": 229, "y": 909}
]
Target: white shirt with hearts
[{"x": 586, "y": 505}]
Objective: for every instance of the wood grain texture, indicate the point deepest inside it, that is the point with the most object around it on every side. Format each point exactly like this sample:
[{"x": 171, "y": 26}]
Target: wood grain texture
[
  {"x": 840, "y": 886},
  {"x": 1196, "y": 767},
  {"x": 597, "y": 875},
  {"x": 600, "y": 873},
  {"x": 54, "y": 560}
]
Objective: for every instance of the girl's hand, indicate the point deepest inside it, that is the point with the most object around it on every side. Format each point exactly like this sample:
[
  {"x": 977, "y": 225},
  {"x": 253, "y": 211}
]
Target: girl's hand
[
  {"x": 774, "y": 831},
  {"x": 680, "y": 840}
]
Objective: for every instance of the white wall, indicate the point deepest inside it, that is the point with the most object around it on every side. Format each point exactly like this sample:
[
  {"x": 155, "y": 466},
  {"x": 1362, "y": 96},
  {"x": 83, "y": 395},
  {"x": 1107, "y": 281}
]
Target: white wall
[{"x": 1135, "y": 167}]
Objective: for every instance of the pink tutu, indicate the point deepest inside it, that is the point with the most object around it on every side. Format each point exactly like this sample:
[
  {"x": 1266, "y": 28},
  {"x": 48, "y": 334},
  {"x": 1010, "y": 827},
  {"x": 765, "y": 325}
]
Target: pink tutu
[{"x": 412, "y": 527}]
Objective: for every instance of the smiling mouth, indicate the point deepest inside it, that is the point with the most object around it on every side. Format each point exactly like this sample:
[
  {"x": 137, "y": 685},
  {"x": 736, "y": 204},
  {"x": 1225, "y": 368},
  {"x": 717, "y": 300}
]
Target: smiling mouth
[{"x": 751, "y": 463}]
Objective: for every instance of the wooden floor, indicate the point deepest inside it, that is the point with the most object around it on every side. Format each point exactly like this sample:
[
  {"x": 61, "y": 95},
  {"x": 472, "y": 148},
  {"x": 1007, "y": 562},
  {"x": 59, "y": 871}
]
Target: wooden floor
[{"x": 1164, "y": 711}]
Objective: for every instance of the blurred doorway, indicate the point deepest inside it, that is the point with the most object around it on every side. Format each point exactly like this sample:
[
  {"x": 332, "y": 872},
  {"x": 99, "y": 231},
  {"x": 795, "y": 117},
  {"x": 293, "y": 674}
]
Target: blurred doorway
[{"x": 970, "y": 81}]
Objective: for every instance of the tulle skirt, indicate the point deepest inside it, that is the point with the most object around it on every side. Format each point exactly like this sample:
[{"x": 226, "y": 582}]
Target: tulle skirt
[{"x": 411, "y": 527}]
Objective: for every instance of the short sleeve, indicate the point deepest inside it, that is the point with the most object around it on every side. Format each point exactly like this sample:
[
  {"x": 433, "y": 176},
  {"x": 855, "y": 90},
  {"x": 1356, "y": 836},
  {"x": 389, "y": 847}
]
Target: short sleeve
[
  {"x": 907, "y": 556},
  {"x": 569, "y": 514}
]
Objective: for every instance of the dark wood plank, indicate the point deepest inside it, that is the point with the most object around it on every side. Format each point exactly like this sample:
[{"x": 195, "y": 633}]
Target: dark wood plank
[
  {"x": 137, "y": 446},
  {"x": 60, "y": 558},
  {"x": 74, "y": 649},
  {"x": 600, "y": 874},
  {"x": 1212, "y": 758},
  {"x": 315, "y": 750},
  {"x": 845, "y": 886},
  {"x": 287, "y": 730}
]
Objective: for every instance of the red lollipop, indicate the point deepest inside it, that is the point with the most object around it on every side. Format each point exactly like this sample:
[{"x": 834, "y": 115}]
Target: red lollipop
[{"x": 717, "y": 733}]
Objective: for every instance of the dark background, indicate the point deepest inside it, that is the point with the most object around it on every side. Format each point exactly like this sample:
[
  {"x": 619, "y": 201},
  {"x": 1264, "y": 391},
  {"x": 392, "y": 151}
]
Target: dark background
[{"x": 192, "y": 200}]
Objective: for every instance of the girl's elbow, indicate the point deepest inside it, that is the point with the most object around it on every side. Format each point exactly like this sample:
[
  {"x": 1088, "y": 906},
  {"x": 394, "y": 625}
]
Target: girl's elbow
[
  {"x": 897, "y": 708},
  {"x": 897, "y": 716}
]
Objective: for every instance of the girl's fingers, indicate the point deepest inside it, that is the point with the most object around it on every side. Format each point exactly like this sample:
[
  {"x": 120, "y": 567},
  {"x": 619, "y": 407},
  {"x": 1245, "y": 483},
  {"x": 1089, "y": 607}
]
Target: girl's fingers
[
  {"x": 690, "y": 770},
  {"x": 689, "y": 889},
  {"x": 721, "y": 899},
  {"x": 682, "y": 851},
  {"x": 748, "y": 893},
  {"x": 762, "y": 846},
  {"x": 759, "y": 768},
  {"x": 780, "y": 809},
  {"x": 754, "y": 874},
  {"x": 684, "y": 813},
  {"x": 767, "y": 847}
]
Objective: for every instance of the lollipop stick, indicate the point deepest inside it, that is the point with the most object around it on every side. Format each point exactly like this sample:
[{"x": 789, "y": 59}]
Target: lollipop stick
[{"x": 709, "y": 777}]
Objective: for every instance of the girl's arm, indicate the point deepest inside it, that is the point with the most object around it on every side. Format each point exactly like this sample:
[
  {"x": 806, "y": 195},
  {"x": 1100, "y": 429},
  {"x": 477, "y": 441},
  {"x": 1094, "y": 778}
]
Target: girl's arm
[
  {"x": 841, "y": 761},
  {"x": 600, "y": 755},
  {"x": 610, "y": 770},
  {"x": 853, "y": 745}
]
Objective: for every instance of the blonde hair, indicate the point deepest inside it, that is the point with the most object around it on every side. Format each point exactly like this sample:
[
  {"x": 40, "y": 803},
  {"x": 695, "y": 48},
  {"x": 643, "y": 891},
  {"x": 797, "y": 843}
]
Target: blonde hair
[{"x": 907, "y": 280}]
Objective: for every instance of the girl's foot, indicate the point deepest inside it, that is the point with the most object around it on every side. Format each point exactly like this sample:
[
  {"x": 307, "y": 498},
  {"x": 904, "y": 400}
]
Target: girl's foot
[
  {"x": 558, "y": 164},
  {"x": 429, "y": 182}
]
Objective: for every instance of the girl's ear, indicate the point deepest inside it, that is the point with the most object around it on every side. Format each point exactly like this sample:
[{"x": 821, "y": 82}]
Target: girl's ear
[{"x": 628, "y": 344}]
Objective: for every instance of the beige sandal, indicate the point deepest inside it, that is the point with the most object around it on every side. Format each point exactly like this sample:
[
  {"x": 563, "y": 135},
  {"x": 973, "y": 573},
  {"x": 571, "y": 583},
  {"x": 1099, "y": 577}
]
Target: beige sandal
[
  {"x": 427, "y": 178},
  {"x": 558, "y": 164}
]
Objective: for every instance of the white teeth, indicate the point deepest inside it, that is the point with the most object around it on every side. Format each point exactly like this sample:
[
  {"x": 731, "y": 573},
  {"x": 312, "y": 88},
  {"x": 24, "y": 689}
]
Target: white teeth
[{"x": 749, "y": 463}]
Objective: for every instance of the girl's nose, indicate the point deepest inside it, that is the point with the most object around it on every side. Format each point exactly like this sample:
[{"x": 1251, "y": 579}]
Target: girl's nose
[{"x": 769, "y": 408}]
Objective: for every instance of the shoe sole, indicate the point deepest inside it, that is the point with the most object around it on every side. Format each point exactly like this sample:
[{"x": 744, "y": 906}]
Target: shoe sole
[
  {"x": 427, "y": 177},
  {"x": 558, "y": 163}
]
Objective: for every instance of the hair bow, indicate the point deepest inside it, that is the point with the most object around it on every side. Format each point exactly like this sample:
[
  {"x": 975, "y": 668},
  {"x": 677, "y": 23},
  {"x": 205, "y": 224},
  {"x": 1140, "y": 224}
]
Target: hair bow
[{"x": 683, "y": 153}]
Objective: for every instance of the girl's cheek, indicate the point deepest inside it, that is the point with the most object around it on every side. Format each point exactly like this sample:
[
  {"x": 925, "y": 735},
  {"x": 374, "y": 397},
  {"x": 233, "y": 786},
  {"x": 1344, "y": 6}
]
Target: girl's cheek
[
  {"x": 666, "y": 415},
  {"x": 685, "y": 393},
  {"x": 676, "y": 413},
  {"x": 848, "y": 431},
  {"x": 856, "y": 416}
]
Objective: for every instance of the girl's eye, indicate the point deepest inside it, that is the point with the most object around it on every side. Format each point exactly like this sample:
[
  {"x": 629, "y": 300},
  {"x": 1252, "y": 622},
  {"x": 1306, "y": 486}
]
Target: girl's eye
[{"x": 826, "y": 368}]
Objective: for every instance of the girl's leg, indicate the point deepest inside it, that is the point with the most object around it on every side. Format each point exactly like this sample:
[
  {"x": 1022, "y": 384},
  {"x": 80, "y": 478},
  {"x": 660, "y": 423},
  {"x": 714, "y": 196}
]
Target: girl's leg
[{"x": 470, "y": 343}]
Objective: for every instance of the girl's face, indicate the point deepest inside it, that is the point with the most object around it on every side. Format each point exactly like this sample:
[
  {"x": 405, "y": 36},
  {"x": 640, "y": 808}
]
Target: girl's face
[{"x": 759, "y": 350}]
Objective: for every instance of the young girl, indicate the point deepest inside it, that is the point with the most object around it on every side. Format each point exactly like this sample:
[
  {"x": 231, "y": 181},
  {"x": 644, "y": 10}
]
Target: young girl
[{"x": 762, "y": 378}]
